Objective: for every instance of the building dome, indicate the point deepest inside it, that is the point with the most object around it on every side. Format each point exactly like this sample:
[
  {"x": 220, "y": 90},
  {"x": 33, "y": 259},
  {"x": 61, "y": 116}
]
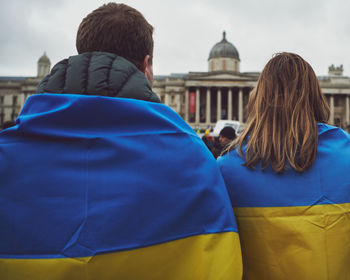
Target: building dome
[
  {"x": 224, "y": 57},
  {"x": 44, "y": 65},
  {"x": 224, "y": 49},
  {"x": 44, "y": 59}
]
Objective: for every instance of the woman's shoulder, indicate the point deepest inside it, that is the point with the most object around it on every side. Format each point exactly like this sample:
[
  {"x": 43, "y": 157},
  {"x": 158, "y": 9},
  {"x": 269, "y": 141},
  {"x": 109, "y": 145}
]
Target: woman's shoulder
[
  {"x": 333, "y": 138},
  {"x": 326, "y": 130},
  {"x": 231, "y": 158}
]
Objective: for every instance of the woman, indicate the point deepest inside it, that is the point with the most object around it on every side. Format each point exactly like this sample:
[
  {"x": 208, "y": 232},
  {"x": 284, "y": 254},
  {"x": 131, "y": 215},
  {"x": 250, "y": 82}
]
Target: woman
[{"x": 288, "y": 176}]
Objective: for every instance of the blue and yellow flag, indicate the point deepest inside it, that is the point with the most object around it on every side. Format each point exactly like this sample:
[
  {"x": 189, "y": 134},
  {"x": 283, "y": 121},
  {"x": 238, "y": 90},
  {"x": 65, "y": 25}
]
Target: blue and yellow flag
[
  {"x": 111, "y": 188},
  {"x": 295, "y": 225}
]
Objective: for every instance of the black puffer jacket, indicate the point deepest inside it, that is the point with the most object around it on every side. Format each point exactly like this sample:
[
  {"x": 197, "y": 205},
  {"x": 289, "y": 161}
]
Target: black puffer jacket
[{"x": 98, "y": 73}]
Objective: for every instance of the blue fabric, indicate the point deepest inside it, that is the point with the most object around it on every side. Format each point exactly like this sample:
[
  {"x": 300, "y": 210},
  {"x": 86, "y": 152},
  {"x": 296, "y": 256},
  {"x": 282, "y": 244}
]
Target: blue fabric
[
  {"x": 326, "y": 182},
  {"x": 84, "y": 175}
]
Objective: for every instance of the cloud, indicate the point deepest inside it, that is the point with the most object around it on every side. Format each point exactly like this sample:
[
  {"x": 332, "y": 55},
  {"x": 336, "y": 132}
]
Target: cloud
[{"x": 185, "y": 31}]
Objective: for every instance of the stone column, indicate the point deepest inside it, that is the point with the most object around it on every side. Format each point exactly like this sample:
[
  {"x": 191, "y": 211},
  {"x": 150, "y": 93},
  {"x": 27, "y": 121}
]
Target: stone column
[
  {"x": 197, "y": 105},
  {"x": 22, "y": 99},
  {"x": 218, "y": 110},
  {"x": 229, "y": 105},
  {"x": 240, "y": 105},
  {"x": 207, "y": 117},
  {"x": 331, "y": 105},
  {"x": 187, "y": 104},
  {"x": 167, "y": 99},
  {"x": 347, "y": 110}
]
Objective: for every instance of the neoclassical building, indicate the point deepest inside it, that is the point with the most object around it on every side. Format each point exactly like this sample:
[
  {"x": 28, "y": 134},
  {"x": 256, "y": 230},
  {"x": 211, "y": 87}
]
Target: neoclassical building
[
  {"x": 201, "y": 98},
  {"x": 15, "y": 90}
]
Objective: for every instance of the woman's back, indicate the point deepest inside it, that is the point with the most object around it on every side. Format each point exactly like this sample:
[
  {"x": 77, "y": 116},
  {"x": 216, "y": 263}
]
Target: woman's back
[
  {"x": 288, "y": 176},
  {"x": 295, "y": 225}
]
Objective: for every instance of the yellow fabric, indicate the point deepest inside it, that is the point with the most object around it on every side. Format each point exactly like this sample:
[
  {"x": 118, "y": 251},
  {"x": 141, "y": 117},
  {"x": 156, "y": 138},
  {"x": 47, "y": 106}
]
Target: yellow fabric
[
  {"x": 308, "y": 242},
  {"x": 210, "y": 256}
]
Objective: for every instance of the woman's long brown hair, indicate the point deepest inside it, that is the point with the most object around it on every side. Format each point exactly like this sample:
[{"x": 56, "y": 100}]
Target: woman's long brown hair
[{"x": 283, "y": 109}]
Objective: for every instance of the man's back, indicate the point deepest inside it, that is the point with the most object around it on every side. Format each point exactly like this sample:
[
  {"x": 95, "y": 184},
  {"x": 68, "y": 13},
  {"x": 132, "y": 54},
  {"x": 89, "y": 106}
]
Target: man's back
[
  {"x": 105, "y": 187},
  {"x": 98, "y": 185}
]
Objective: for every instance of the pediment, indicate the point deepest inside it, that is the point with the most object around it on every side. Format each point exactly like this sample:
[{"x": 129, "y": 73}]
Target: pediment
[{"x": 220, "y": 76}]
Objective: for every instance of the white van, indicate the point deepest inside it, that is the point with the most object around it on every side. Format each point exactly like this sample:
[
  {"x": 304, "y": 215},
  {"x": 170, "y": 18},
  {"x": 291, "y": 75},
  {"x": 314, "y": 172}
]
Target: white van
[{"x": 237, "y": 126}]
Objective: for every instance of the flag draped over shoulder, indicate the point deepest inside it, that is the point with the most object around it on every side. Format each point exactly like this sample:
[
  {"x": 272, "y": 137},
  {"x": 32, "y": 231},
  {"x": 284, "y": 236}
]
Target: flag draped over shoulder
[
  {"x": 111, "y": 188},
  {"x": 295, "y": 225}
]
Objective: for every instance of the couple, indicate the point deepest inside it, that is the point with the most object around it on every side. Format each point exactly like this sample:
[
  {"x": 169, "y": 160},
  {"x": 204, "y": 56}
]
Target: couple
[{"x": 101, "y": 181}]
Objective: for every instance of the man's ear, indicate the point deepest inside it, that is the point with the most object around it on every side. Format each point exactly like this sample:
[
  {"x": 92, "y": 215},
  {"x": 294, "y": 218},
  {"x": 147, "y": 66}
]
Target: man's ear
[
  {"x": 145, "y": 63},
  {"x": 147, "y": 68}
]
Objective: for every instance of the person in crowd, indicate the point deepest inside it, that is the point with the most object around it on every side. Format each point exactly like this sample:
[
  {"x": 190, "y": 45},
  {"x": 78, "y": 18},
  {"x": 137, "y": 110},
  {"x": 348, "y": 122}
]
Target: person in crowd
[
  {"x": 8, "y": 124},
  {"x": 211, "y": 144},
  {"x": 288, "y": 178},
  {"x": 101, "y": 181},
  {"x": 208, "y": 140},
  {"x": 226, "y": 136}
]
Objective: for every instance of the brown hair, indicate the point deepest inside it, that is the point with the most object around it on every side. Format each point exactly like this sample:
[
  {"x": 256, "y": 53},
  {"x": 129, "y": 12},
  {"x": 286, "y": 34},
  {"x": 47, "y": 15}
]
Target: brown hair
[
  {"x": 284, "y": 108},
  {"x": 118, "y": 29}
]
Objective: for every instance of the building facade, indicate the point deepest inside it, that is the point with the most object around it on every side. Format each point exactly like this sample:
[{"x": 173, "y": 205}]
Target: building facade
[
  {"x": 201, "y": 98},
  {"x": 15, "y": 90}
]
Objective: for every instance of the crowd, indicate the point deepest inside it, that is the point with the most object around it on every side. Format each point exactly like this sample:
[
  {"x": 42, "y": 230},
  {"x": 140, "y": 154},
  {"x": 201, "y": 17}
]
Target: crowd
[
  {"x": 99, "y": 180},
  {"x": 7, "y": 124},
  {"x": 217, "y": 145}
]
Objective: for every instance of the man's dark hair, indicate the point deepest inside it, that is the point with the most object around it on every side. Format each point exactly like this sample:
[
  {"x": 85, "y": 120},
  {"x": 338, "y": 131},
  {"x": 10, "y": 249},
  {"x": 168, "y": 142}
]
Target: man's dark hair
[
  {"x": 118, "y": 29},
  {"x": 228, "y": 132}
]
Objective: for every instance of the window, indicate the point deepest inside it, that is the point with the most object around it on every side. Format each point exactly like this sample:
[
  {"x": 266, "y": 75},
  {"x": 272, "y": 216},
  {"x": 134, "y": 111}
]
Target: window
[
  {"x": 224, "y": 65},
  {"x": 2, "y": 116},
  {"x": 338, "y": 101},
  {"x": 14, "y": 114}
]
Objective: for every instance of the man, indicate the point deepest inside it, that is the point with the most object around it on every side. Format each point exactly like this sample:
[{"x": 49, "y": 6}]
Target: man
[
  {"x": 226, "y": 136},
  {"x": 101, "y": 181}
]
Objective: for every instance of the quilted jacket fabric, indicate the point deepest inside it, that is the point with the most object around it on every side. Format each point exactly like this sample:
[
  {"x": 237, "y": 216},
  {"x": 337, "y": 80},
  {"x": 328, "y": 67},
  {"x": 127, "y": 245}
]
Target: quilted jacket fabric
[{"x": 98, "y": 73}]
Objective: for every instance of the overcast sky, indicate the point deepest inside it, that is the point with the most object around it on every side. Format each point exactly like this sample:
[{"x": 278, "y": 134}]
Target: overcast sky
[{"x": 185, "y": 32}]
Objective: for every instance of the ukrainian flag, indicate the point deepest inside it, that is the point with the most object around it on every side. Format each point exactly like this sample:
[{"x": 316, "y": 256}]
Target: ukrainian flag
[
  {"x": 295, "y": 225},
  {"x": 111, "y": 188}
]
